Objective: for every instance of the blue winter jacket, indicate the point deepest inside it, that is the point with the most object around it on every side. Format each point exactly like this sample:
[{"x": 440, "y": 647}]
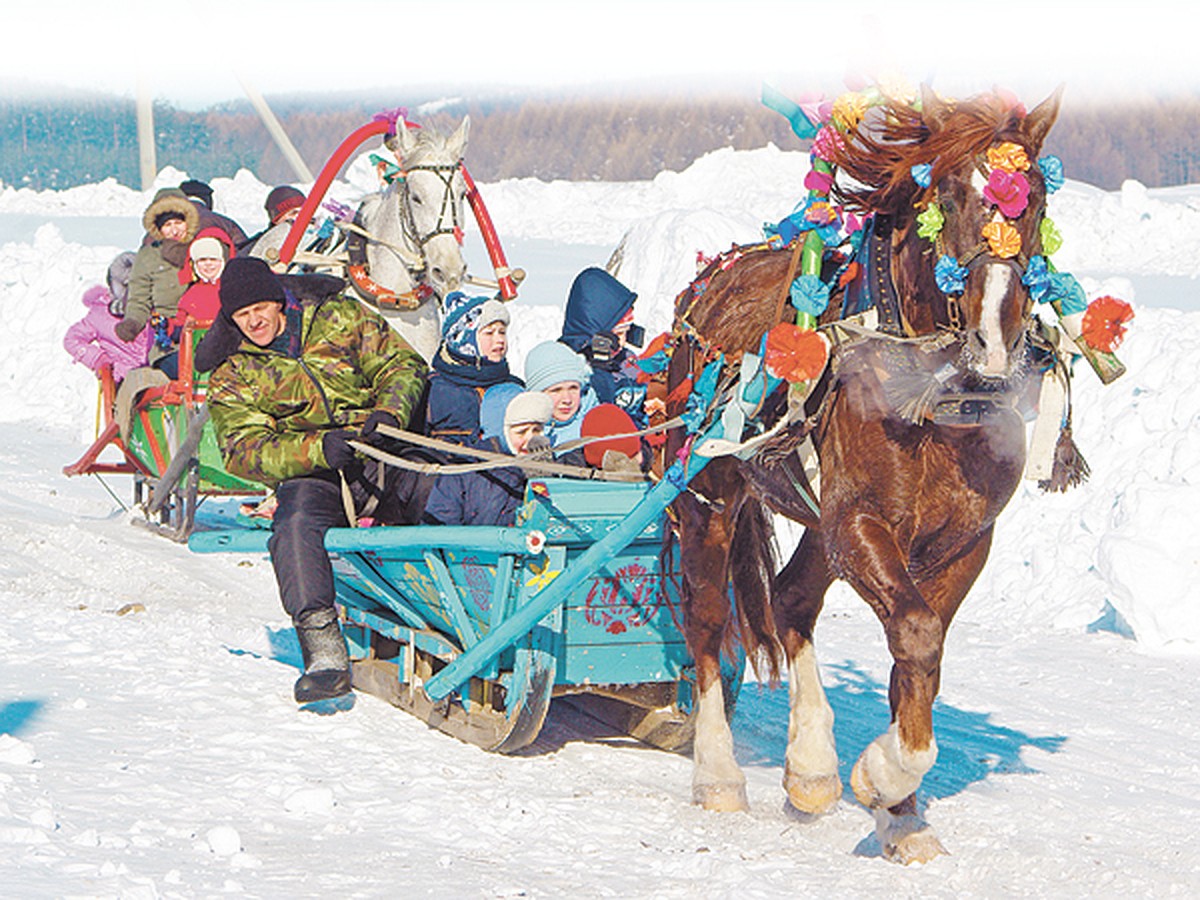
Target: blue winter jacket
[{"x": 488, "y": 497}]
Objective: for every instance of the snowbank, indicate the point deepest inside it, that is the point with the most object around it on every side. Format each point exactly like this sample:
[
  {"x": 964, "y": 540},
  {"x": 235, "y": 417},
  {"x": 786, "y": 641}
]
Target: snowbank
[{"x": 1115, "y": 553}]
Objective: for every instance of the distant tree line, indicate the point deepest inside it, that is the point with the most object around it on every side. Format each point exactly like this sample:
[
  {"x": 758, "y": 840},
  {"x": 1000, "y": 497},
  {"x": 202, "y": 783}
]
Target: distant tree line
[{"x": 66, "y": 141}]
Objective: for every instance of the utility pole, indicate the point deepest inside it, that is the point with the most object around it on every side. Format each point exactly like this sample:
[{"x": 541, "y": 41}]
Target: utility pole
[
  {"x": 145, "y": 128},
  {"x": 275, "y": 129}
]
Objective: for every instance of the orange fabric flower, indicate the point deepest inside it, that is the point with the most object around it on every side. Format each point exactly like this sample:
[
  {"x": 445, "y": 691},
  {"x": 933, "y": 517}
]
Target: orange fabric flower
[
  {"x": 1008, "y": 156},
  {"x": 1003, "y": 239},
  {"x": 795, "y": 354},
  {"x": 1104, "y": 321}
]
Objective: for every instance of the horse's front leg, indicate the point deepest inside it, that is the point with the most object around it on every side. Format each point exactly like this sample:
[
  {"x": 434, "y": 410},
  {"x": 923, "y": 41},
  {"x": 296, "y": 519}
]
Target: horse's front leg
[
  {"x": 915, "y": 617},
  {"x": 704, "y": 539},
  {"x": 810, "y": 774}
]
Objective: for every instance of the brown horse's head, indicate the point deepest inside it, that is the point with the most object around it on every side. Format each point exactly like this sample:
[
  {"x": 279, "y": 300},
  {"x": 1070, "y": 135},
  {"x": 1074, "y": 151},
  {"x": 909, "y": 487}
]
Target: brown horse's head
[{"x": 979, "y": 176}]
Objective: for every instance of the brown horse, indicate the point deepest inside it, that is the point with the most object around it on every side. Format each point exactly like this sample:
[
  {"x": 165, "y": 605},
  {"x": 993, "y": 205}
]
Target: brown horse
[{"x": 919, "y": 442}]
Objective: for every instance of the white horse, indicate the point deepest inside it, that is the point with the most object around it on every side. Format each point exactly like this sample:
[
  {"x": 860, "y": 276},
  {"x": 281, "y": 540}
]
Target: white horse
[{"x": 406, "y": 248}]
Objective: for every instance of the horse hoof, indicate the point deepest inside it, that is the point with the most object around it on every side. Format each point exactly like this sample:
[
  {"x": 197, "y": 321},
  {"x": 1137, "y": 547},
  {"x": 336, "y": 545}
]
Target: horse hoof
[
  {"x": 919, "y": 846},
  {"x": 812, "y": 794},
  {"x": 724, "y": 797}
]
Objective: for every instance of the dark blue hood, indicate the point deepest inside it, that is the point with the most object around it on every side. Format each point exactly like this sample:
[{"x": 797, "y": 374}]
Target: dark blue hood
[{"x": 596, "y": 303}]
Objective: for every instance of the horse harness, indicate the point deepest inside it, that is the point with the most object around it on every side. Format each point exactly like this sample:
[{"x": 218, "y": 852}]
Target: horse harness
[{"x": 356, "y": 243}]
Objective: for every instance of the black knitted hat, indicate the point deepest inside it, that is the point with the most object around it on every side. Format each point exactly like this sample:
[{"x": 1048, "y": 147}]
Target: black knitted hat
[
  {"x": 248, "y": 280},
  {"x": 199, "y": 190}
]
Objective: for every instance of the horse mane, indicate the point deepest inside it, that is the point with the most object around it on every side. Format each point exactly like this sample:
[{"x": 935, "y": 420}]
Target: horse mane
[{"x": 892, "y": 138}]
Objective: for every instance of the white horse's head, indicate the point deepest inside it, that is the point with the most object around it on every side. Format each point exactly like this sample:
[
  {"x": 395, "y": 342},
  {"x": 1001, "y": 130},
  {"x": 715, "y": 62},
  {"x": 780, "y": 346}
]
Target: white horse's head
[{"x": 432, "y": 201}]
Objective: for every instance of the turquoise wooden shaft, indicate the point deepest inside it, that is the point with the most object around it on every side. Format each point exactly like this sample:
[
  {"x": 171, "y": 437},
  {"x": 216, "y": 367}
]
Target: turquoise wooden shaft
[
  {"x": 589, "y": 562},
  {"x": 482, "y": 538}
]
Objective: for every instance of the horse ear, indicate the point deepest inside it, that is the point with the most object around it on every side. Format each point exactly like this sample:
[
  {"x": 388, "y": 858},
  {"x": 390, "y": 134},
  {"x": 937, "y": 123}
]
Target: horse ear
[
  {"x": 403, "y": 142},
  {"x": 934, "y": 110},
  {"x": 457, "y": 143},
  {"x": 1039, "y": 122}
]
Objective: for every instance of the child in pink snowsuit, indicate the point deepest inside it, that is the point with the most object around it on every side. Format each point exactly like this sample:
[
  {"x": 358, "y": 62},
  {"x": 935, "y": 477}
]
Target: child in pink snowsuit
[{"x": 93, "y": 339}]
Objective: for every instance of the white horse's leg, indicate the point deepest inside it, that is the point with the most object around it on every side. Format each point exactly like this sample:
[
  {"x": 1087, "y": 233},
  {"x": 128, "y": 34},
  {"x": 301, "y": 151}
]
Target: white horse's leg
[
  {"x": 717, "y": 782},
  {"x": 421, "y": 327},
  {"x": 810, "y": 773}
]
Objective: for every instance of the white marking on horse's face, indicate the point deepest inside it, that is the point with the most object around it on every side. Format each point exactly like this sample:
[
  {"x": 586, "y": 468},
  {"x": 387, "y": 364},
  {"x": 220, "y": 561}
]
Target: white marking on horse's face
[
  {"x": 997, "y": 286},
  {"x": 978, "y": 182}
]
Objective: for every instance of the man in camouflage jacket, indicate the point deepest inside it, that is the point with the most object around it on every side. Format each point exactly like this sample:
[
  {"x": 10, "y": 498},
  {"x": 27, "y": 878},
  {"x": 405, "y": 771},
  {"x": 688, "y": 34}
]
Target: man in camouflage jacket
[{"x": 301, "y": 373}]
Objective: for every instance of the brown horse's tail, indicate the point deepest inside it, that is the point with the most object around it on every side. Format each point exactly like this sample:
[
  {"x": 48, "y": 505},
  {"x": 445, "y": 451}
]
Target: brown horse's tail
[{"x": 751, "y": 569}]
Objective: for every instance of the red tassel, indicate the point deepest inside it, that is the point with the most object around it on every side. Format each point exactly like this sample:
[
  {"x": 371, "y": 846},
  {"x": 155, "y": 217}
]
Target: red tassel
[{"x": 1103, "y": 325}]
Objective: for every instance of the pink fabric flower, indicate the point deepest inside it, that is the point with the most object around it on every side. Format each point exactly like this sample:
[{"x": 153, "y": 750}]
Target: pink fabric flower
[
  {"x": 1009, "y": 191},
  {"x": 826, "y": 142}
]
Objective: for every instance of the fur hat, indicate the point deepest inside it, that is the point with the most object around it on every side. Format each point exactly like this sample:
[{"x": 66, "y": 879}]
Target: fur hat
[
  {"x": 198, "y": 190},
  {"x": 606, "y": 419},
  {"x": 280, "y": 200},
  {"x": 207, "y": 248},
  {"x": 248, "y": 280},
  {"x": 169, "y": 201},
  {"x": 528, "y": 406},
  {"x": 119, "y": 271},
  {"x": 551, "y": 363}
]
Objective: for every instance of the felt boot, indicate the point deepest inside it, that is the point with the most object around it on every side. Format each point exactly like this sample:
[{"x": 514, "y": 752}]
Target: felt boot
[{"x": 326, "y": 663}]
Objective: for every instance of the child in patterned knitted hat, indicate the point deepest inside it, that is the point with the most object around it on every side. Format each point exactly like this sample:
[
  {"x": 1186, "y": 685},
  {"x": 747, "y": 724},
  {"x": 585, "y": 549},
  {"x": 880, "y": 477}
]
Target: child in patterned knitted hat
[{"x": 470, "y": 359}]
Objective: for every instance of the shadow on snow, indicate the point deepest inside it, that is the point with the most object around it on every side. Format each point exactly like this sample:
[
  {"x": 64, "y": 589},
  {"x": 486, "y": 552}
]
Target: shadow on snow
[{"x": 970, "y": 745}]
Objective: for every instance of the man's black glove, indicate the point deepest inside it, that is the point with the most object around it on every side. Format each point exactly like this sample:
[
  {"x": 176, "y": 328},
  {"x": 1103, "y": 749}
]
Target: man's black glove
[
  {"x": 371, "y": 427},
  {"x": 336, "y": 447},
  {"x": 128, "y": 330}
]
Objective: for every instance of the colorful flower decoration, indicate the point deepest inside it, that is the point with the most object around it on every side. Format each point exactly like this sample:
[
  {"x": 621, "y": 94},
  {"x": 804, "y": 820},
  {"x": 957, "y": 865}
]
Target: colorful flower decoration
[
  {"x": 1037, "y": 278},
  {"x": 1008, "y": 156},
  {"x": 1067, "y": 292},
  {"x": 950, "y": 276},
  {"x": 795, "y": 354},
  {"x": 930, "y": 222},
  {"x": 1052, "y": 172},
  {"x": 1103, "y": 326},
  {"x": 922, "y": 174},
  {"x": 819, "y": 182},
  {"x": 848, "y": 111},
  {"x": 826, "y": 143},
  {"x": 1051, "y": 237},
  {"x": 1003, "y": 240},
  {"x": 821, "y": 212},
  {"x": 810, "y": 295},
  {"x": 1009, "y": 191}
]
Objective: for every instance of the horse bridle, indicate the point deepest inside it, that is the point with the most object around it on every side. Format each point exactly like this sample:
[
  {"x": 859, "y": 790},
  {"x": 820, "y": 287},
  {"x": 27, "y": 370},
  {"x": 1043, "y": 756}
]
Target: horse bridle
[
  {"x": 446, "y": 173},
  {"x": 981, "y": 253}
]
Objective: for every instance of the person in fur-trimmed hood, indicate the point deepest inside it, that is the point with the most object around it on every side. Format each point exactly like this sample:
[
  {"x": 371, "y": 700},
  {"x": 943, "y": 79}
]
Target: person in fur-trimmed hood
[{"x": 171, "y": 222}]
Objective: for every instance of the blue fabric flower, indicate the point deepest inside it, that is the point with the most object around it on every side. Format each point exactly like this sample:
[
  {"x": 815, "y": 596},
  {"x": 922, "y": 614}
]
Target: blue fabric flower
[
  {"x": 810, "y": 295},
  {"x": 785, "y": 230},
  {"x": 1037, "y": 278},
  {"x": 950, "y": 276},
  {"x": 922, "y": 174},
  {"x": 1052, "y": 172},
  {"x": 1069, "y": 293}
]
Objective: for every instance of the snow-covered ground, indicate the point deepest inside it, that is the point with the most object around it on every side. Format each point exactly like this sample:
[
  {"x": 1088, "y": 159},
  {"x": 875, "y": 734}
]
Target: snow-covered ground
[{"x": 149, "y": 745}]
